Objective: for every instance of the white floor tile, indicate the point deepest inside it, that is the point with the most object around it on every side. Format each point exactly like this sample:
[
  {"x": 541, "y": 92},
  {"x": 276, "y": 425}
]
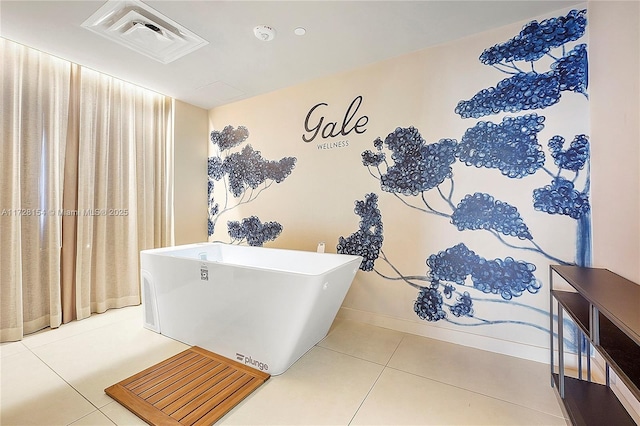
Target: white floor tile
[
  {"x": 92, "y": 361},
  {"x": 519, "y": 381},
  {"x": 11, "y": 348},
  {"x": 121, "y": 416},
  {"x": 400, "y": 398},
  {"x": 364, "y": 341},
  {"x": 323, "y": 387},
  {"x": 94, "y": 419},
  {"x": 74, "y": 328},
  {"x": 380, "y": 376},
  {"x": 32, "y": 394}
]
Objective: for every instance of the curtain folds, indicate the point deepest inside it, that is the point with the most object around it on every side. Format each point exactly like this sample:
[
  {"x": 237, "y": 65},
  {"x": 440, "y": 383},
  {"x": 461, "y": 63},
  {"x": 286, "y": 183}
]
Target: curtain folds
[
  {"x": 70, "y": 203},
  {"x": 121, "y": 184},
  {"x": 34, "y": 96},
  {"x": 86, "y": 184}
]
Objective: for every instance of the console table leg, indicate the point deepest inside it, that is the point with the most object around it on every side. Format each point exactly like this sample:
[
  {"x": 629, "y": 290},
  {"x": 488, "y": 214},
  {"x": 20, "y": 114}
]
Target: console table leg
[
  {"x": 551, "y": 329},
  {"x": 560, "y": 353},
  {"x": 589, "y": 361},
  {"x": 580, "y": 340}
]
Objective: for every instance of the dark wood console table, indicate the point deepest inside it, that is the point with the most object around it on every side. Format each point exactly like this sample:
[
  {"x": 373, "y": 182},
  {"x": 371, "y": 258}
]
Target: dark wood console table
[{"x": 606, "y": 309}]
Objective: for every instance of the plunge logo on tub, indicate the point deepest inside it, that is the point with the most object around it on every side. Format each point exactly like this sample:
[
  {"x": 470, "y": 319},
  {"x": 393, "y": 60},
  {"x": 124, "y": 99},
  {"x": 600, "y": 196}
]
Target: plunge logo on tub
[{"x": 247, "y": 360}]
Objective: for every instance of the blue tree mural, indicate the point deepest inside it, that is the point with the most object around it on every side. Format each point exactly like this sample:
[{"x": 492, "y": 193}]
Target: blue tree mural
[
  {"x": 244, "y": 174},
  {"x": 409, "y": 168},
  {"x": 526, "y": 90}
]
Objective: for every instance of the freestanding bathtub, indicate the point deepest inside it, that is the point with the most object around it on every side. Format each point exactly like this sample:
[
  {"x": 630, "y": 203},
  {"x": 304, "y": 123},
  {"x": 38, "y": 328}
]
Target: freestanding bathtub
[{"x": 263, "y": 307}]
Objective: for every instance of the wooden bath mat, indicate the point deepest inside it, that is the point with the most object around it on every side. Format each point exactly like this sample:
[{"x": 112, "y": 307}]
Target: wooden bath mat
[{"x": 194, "y": 387}]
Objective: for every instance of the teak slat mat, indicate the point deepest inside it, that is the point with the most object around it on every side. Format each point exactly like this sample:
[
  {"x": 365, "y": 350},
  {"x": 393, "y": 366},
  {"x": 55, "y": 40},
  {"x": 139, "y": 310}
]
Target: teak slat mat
[{"x": 194, "y": 387}]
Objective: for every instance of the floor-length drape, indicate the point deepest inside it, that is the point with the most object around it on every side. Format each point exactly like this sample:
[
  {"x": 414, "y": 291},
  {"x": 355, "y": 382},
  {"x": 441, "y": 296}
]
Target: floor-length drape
[
  {"x": 34, "y": 107},
  {"x": 122, "y": 181},
  {"x": 86, "y": 184},
  {"x": 70, "y": 203}
]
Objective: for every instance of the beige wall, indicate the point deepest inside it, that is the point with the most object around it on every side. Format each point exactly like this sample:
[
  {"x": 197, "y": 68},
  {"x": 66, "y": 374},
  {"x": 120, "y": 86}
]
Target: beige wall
[
  {"x": 190, "y": 173},
  {"x": 614, "y": 49}
]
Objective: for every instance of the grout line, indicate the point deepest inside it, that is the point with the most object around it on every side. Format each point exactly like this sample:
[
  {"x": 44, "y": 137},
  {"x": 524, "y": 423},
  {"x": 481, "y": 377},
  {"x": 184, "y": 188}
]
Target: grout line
[
  {"x": 367, "y": 395},
  {"x": 92, "y": 330},
  {"x": 386, "y": 365},
  {"x": 64, "y": 380},
  {"x": 79, "y": 333},
  {"x": 28, "y": 349},
  {"x": 346, "y": 354},
  {"x": 404, "y": 336},
  {"x": 107, "y": 416},
  {"x": 474, "y": 392},
  {"x": 98, "y": 410}
]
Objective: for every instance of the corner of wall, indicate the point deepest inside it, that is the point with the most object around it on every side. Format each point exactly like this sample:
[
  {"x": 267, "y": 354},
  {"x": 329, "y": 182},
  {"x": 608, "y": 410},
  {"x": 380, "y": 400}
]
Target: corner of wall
[{"x": 190, "y": 173}]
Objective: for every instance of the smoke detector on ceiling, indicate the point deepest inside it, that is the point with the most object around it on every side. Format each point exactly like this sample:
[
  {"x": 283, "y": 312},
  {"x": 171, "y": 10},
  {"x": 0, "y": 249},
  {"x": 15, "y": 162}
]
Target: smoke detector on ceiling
[
  {"x": 135, "y": 25},
  {"x": 264, "y": 32}
]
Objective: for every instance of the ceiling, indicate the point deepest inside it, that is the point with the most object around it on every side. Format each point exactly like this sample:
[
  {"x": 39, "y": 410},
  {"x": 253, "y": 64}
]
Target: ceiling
[{"x": 234, "y": 65}]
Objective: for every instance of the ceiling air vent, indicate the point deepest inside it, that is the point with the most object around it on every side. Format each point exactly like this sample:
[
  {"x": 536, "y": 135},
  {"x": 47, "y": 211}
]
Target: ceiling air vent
[{"x": 137, "y": 26}]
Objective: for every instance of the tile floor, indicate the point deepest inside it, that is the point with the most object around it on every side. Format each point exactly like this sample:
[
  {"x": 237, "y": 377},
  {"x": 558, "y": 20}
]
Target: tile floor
[{"x": 358, "y": 375}]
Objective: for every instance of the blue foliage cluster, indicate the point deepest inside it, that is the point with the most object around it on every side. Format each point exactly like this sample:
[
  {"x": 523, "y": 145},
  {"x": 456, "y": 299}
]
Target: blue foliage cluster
[
  {"x": 367, "y": 240},
  {"x": 561, "y": 198},
  {"x": 537, "y": 39},
  {"x": 464, "y": 306},
  {"x": 370, "y": 158},
  {"x": 453, "y": 264},
  {"x": 573, "y": 158},
  {"x": 209, "y": 189},
  {"x": 255, "y": 232},
  {"x": 521, "y": 92},
  {"x": 511, "y": 146},
  {"x": 279, "y": 170},
  {"x": 428, "y": 305},
  {"x": 214, "y": 168},
  {"x": 229, "y": 137},
  {"x": 417, "y": 166},
  {"x": 509, "y": 278},
  {"x": 448, "y": 289},
  {"x": 378, "y": 143},
  {"x": 213, "y": 208},
  {"x": 572, "y": 70},
  {"x": 247, "y": 169},
  {"x": 482, "y": 211}
]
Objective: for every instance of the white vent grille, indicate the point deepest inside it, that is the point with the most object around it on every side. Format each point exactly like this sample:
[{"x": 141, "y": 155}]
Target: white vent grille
[{"x": 135, "y": 25}]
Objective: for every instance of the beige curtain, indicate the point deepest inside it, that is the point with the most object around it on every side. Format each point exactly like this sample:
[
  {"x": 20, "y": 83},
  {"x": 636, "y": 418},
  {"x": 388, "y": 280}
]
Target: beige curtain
[
  {"x": 34, "y": 100},
  {"x": 70, "y": 203},
  {"x": 86, "y": 184},
  {"x": 122, "y": 181}
]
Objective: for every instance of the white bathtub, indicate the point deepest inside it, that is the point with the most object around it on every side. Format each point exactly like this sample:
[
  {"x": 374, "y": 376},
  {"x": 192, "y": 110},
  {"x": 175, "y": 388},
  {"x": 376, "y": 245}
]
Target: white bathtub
[{"x": 261, "y": 306}]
